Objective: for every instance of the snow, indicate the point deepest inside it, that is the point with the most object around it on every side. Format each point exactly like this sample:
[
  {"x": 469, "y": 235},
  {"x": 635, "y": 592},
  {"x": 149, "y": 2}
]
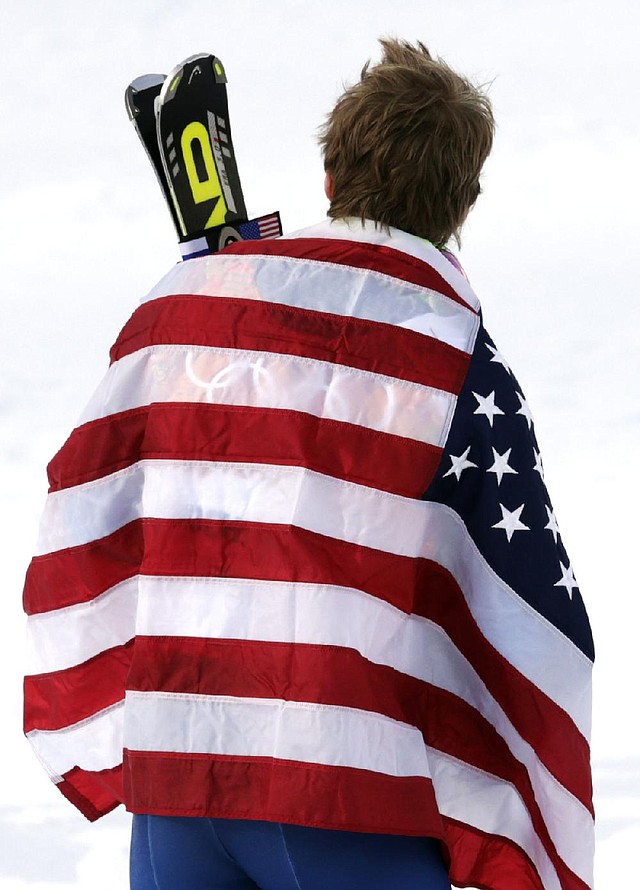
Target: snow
[{"x": 551, "y": 250}]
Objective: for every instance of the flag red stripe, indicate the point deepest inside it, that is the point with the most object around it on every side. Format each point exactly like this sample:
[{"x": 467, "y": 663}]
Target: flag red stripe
[
  {"x": 487, "y": 862},
  {"x": 270, "y": 789},
  {"x": 376, "y": 257},
  {"x": 271, "y": 327},
  {"x": 94, "y": 793},
  {"x": 61, "y": 698},
  {"x": 79, "y": 574},
  {"x": 237, "y": 433},
  {"x": 495, "y": 863},
  {"x": 480, "y": 860},
  {"x": 327, "y": 797},
  {"x": 253, "y": 550}
]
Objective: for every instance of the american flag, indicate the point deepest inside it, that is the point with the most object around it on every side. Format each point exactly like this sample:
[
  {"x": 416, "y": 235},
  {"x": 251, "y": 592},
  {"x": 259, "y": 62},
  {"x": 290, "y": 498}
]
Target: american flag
[
  {"x": 298, "y": 563},
  {"x": 268, "y": 226}
]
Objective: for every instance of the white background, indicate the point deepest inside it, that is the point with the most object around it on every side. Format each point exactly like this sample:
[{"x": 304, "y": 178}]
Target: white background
[{"x": 551, "y": 249}]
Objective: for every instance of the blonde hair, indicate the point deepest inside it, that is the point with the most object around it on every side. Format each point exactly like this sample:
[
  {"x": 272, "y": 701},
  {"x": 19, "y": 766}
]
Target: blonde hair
[{"x": 406, "y": 144}]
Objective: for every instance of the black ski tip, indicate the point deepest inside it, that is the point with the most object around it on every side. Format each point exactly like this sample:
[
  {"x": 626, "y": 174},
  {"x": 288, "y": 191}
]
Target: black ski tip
[
  {"x": 141, "y": 84},
  {"x": 190, "y": 68}
]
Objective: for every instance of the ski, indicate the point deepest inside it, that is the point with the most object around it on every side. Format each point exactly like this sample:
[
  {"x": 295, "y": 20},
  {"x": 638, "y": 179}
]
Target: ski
[
  {"x": 139, "y": 98},
  {"x": 195, "y": 143},
  {"x": 183, "y": 123}
]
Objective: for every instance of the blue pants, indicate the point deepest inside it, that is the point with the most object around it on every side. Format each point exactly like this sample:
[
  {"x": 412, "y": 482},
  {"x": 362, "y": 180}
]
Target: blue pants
[{"x": 179, "y": 853}]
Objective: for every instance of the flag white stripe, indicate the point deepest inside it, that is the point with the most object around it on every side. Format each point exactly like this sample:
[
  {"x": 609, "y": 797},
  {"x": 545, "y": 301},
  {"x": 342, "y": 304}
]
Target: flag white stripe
[
  {"x": 329, "y": 506},
  {"x": 170, "y": 373},
  {"x": 353, "y": 230},
  {"x": 491, "y": 805},
  {"x": 288, "y": 730},
  {"x": 63, "y": 638},
  {"x": 325, "y": 287},
  {"x": 93, "y": 744}
]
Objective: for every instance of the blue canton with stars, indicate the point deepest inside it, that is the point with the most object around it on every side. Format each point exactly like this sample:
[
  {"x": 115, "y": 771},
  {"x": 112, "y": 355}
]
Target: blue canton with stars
[{"x": 491, "y": 474}]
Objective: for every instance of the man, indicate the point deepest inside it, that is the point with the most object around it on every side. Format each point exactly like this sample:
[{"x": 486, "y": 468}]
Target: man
[{"x": 300, "y": 600}]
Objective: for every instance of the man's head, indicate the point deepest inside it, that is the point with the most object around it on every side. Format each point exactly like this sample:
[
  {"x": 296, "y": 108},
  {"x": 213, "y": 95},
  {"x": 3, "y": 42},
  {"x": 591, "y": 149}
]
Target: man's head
[{"x": 405, "y": 145}]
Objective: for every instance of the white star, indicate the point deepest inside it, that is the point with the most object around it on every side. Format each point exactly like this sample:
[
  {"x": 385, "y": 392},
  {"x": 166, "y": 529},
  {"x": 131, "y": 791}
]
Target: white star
[
  {"x": 498, "y": 357},
  {"x": 567, "y": 579},
  {"x": 501, "y": 464},
  {"x": 552, "y": 525},
  {"x": 487, "y": 406},
  {"x": 538, "y": 465},
  {"x": 510, "y": 521},
  {"x": 458, "y": 464},
  {"x": 524, "y": 409}
]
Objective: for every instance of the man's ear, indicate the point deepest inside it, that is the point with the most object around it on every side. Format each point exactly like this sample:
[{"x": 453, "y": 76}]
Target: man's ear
[{"x": 328, "y": 185}]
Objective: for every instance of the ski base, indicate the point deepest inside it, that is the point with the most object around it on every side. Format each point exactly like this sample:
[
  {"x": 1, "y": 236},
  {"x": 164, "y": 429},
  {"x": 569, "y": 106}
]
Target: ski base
[{"x": 268, "y": 226}]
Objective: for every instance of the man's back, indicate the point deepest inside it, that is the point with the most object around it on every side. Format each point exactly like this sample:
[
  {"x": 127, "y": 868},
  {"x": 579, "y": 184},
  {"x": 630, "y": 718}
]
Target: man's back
[{"x": 289, "y": 527}]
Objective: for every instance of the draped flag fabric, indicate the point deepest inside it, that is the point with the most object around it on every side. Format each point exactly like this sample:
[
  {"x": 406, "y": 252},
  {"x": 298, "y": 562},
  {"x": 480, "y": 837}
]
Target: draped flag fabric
[{"x": 298, "y": 563}]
